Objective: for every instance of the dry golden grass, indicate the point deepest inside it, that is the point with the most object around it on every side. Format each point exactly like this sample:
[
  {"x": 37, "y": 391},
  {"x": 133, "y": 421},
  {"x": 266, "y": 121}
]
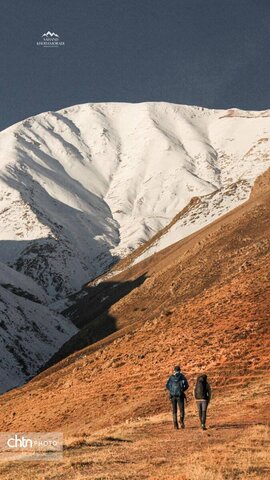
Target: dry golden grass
[
  {"x": 135, "y": 452},
  {"x": 248, "y": 458}
]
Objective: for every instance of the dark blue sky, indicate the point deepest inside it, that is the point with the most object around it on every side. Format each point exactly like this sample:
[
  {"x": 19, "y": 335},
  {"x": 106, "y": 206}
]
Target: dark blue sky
[{"x": 214, "y": 53}]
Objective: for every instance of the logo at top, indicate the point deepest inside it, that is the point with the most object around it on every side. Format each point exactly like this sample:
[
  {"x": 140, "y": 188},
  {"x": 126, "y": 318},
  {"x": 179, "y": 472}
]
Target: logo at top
[
  {"x": 50, "y": 34},
  {"x": 50, "y": 39}
]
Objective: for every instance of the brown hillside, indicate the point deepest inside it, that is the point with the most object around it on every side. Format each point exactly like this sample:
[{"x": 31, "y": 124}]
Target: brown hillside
[{"x": 204, "y": 303}]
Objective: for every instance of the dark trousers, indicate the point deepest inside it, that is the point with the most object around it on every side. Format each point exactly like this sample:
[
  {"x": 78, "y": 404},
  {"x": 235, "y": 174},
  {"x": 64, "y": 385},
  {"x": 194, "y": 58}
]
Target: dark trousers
[
  {"x": 181, "y": 405},
  {"x": 202, "y": 409}
]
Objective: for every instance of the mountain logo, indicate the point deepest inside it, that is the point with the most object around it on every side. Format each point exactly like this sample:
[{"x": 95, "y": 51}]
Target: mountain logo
[
  {"x": 50, "y": 34},
  {"x": 51, "y": 40}
]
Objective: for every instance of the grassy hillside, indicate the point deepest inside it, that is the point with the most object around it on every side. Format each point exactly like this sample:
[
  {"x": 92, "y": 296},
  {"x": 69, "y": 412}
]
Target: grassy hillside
[{"x": 204, "y": 304}]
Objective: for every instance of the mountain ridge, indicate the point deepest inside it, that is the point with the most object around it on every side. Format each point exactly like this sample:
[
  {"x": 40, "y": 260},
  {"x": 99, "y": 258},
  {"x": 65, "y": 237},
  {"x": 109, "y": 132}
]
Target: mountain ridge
[
  {"x": 51, "y": 159},
  {"x": 84, "y": 187}
]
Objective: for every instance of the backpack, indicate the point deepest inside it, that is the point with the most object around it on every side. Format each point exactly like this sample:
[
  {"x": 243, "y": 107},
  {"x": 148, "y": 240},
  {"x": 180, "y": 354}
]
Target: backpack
[
  {"x": 176, "y": 385},
  {"x": 201, "y": 389}
]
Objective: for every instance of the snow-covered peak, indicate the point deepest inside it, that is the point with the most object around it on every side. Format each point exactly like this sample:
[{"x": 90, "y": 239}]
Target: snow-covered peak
[{"x": 85, "y": 186}]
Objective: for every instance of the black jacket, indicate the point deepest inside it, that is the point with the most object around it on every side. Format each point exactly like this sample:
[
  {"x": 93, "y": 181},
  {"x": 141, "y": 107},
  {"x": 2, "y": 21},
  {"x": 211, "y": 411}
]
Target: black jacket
[{"x": 177, "y": 384}]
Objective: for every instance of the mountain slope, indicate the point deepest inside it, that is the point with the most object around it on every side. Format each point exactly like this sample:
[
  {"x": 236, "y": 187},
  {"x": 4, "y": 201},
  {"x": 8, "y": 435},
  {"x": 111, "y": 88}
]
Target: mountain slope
[
  {"x": 204, "y": 305},
  {"x": 85, "y": 186},
  {"x": 30, "y": 333},
  {"x": 183, "y": 270}
]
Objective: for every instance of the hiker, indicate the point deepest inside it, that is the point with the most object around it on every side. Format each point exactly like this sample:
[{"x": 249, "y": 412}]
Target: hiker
[
  {"x": 177, "y": 384},
  {"x": 202, "y": 395}
]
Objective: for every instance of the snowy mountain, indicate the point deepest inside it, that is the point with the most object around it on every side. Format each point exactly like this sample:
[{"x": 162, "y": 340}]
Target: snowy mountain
[
  {"x": 30, "y": 333},
  {"x": 200, "y": 212},
  {"x": 85, "y": 186}
]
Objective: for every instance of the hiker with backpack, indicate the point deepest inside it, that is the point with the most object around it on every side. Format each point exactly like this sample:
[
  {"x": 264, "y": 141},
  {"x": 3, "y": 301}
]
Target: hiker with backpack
[
  {"x": 177, "y": 384},
  {"x": 202, "y": 396}
]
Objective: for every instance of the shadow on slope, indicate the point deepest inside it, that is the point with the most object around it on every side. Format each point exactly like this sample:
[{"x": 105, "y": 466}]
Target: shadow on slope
[
  {"x": 190, "y": 269},
  {"x": 92, "y": 315}
]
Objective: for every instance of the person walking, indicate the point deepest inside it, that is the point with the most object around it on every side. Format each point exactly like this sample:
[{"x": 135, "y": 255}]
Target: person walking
[
  {"x": 202, "y": 396},
  {"x": 177, "y": 384}
]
